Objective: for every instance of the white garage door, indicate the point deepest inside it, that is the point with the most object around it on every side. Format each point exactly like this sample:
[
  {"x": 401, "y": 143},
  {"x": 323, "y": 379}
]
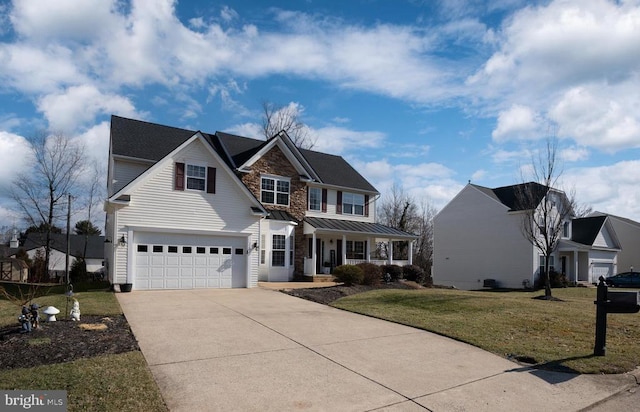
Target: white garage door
[
  {"x": 169, "y": 261},
  {"x": 601, "y": 269}
]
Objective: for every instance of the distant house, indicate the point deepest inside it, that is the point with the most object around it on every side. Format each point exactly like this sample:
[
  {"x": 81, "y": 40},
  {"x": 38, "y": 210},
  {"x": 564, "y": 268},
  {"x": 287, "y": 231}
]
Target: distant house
[
  {"x": 91, "y": 247},
  {"x": 478, "y": 240},
  {"x": 188, "y": 209},
  {"x": 13, "y": 270},
  {"x": 628, "y": 233}
]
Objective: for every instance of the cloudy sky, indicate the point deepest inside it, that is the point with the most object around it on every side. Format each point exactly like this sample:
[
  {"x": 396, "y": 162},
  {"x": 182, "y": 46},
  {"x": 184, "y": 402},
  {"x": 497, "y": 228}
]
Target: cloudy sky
[{"x": 424, "y": 93}]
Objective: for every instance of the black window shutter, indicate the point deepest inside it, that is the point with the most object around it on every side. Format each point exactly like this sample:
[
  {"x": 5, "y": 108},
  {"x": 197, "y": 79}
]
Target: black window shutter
[
  {"x": 179, "y": 180},
  {"x": 211, "y": 179},
  {"x": 324, "y": 200},
  {"x": 339, "y": 203}
]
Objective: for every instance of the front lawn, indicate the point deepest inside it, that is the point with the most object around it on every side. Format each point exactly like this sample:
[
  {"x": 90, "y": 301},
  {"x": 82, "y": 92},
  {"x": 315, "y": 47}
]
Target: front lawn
[
  {"x": 111, "y": 382},
  {"x": 553, "y": 334}
]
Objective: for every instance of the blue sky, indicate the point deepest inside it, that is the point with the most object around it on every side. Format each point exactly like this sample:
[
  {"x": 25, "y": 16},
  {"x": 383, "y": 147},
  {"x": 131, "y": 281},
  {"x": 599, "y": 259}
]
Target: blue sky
[{"x": 424, "y": 94}]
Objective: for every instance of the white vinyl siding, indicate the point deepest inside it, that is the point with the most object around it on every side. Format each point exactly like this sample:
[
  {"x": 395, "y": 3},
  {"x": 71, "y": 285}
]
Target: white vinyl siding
[
  {"x": 156, "y": 205},
  {"x": 125, "y": 172},
  {"x": 332, "y": 199}
]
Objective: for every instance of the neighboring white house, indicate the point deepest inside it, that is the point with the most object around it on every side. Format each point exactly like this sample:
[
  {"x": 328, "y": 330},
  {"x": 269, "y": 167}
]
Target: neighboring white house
[
  {"x": 478, "y": 237},
  {"x": 91, "y": 247},
  {"x": 187, "y": 209},
  {"x": 628, "y": 233}
]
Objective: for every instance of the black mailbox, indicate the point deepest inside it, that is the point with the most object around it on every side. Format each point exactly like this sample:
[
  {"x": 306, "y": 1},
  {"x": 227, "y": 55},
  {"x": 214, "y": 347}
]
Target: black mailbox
[{"x": 623, "y": 302}]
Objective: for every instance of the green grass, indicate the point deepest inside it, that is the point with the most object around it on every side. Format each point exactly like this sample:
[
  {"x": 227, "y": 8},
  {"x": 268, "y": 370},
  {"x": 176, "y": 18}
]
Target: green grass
[
  {"x": 104, "y": 383},
  {"x": 556, "y": 335},
  {"x": 120, "y": 382}
]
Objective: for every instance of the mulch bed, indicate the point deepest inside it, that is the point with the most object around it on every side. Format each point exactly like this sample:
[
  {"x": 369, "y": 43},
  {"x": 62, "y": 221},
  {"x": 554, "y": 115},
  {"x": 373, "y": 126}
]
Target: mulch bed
[
  {"x": 326, "y": 295},
  {"x": 64, "y": 341}
]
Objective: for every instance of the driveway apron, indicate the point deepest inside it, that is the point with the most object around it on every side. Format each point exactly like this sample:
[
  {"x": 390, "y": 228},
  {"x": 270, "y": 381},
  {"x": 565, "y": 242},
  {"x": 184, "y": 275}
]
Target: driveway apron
[{"x": 262, "y": 350}]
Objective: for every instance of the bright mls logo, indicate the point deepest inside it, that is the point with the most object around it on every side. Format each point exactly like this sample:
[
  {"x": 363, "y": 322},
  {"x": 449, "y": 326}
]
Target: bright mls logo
[{"x": 53, "y": 401}]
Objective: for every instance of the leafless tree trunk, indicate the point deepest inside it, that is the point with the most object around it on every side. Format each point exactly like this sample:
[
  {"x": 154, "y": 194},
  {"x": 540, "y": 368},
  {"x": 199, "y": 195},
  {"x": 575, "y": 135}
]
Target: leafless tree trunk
[
  {"x": 40, "y": 194},
  {"x": 95, "y": 194},
  {"x": 400, "y": 211},
  {"x": 277, "y": 118},
  {"x": 544, "y": 209}
]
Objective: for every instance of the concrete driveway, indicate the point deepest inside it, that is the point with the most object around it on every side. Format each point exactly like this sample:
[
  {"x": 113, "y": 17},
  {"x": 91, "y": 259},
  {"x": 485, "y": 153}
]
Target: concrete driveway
[{"x": 262, "y": 350}]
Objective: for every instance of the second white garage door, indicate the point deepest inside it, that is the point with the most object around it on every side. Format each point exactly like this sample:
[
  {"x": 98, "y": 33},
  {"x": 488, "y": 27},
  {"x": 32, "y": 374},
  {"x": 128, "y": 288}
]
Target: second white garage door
[{"x": 170, "y": 261}]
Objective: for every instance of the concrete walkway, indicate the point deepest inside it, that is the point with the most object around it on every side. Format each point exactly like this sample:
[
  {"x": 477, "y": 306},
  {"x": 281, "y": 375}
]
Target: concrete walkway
[{"x": 262, "y": 350}]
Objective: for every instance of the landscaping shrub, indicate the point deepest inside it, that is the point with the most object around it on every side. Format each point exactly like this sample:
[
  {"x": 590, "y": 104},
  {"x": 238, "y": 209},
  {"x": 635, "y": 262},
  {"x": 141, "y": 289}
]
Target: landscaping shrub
[
  {"x": 394, "y": 270},
  {"x": 413, "y": 273},
  {"x": 557, "y": 280},
  {"x": 348, "y": 274},
  {"x": 372, "y": 273}
]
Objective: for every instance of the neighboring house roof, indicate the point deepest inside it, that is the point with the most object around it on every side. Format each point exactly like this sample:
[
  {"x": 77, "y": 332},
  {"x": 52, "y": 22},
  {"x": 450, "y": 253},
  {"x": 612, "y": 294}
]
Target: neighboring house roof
[
  {"x": 585, "y": 230},
  {"x": 19, "y": 263},
  {"x": 349, "y": 226},
  {"x": 150, "y": 141},
  {"x": 623, "y": 219},
  {"x": 95, "y": 244}
]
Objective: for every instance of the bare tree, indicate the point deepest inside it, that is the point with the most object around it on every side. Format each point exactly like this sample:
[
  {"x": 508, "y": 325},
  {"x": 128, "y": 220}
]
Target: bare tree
[
  {"x": 401, "y": 211},
  {"x": 276, "y": 118},
  {"x": 544, "y": 209},
  {"x": 41, "y": 193}
]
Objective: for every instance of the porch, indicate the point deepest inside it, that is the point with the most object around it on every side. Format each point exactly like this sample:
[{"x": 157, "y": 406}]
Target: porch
[
  {"x": 331, "y": 243},
  {"x": 584, "y": 264}
]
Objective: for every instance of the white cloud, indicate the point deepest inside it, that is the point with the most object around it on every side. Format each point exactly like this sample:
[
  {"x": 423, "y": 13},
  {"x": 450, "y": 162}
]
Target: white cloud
[
  {"x": 518, "y": 122},
  {"x": 574, "y": 62},
  {"x": 79, "y": 105},
  {"x": 573, "y": 154},
  {"x": 611, "y": 189},
  {"x": 14, "y": 157}
]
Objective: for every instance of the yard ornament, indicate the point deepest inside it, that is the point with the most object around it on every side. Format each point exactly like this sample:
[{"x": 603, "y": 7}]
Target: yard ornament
[{"x": 75, "y": 311}]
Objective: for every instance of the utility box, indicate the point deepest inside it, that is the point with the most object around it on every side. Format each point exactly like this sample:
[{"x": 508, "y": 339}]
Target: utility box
[{"x": 623, "y": 302}]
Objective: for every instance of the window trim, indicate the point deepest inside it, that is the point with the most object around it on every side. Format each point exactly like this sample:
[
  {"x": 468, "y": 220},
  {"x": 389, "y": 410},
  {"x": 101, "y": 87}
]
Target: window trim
[
  {"x": 275, "y": 192},
  {"x": 352, "y": 196},
  {"x": 318, "y": 199},
  {"x": 187, "y": 176},
  {"x": 282, "y": 241}
]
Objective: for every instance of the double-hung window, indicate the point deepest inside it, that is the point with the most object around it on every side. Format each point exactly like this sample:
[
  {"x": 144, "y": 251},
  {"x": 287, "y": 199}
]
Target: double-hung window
[
  {"x": 355, "y": 249},
  {"x": 551, "y": 263},
  {"x": 196, "y": 177},
  {"x": 353, "y": 204},
  {"x": 275, "y": 191},
  {"x": 315, "y": 198},
  {"x": 278, "y": 246}
]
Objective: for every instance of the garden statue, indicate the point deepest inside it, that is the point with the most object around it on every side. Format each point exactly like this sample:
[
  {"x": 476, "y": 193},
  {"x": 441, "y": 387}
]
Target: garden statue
[
  {"x": 75, "y": 311},
  {"x": 24, "y": 320},
  {"x": 35, "y": 316}
]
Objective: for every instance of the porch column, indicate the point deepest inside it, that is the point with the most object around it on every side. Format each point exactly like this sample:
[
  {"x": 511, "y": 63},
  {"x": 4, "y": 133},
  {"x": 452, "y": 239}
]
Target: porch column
[
  {"x": 390, "y": 248},
  {"x": 411, "y": 251},
  {"x": 314, "y": 254},
  {"x": 575, "y": 265},
  {"x": 368, "y": 250},
  {"x": 344, "y": 249}
]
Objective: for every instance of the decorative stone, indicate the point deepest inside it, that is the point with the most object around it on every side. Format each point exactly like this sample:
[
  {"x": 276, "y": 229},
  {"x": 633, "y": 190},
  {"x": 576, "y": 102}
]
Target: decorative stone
[
  {"x": 75, "y": 311},
  {"x": 51, "y": 313}
]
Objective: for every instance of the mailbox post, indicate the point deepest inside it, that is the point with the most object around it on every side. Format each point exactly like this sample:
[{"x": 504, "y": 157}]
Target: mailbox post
[
  {"x": 601, "y": 319},
  {"x": 615, "y": 302}
]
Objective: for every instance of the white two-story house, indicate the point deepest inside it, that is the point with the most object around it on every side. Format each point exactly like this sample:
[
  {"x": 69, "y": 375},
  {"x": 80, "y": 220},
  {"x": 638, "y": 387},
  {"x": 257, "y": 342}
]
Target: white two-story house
[
  {"x": 478, "y": 236},
  {"x": 188, "y": 209}
]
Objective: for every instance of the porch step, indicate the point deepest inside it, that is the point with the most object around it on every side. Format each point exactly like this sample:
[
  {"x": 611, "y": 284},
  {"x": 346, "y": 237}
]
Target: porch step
[{"x": 322, "y": 278}]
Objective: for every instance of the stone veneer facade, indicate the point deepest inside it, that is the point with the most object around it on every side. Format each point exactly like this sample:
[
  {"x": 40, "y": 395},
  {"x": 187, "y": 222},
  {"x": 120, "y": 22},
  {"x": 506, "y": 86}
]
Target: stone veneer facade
[{"x": 274, "y": 162}]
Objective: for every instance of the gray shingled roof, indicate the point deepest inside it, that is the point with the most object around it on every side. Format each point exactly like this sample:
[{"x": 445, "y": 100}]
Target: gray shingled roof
[
  {"x": 95, "y": 244},
  {"x": 585, "y": 230},
  {"x": 150, "y": 141},
  {"x": 508, "y": 195},
  {"x": 365, "y": 228}
]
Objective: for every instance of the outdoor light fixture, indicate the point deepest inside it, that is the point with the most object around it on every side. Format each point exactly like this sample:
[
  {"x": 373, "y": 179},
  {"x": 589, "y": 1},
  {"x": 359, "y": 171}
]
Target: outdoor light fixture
[
  {"x": 122, "y": 241},
  {"x": 255, "y": 245}
]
